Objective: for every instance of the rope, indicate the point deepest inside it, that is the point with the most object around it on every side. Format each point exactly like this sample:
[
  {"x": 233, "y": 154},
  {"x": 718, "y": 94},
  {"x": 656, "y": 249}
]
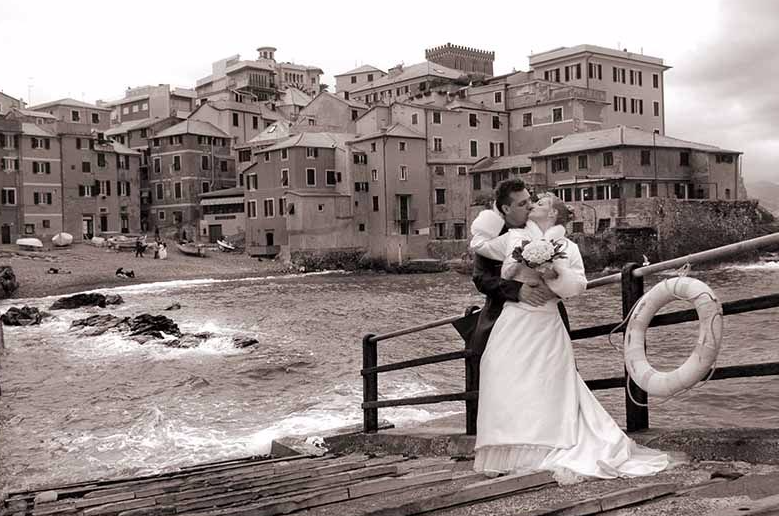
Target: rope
[{"x": 682, "y": 272}]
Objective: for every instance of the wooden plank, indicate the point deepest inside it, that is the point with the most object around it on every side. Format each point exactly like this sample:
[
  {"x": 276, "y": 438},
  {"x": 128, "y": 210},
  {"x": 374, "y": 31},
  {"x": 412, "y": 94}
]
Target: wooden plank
[
  {"x": 55, "y": 508},
  {"x": 608, "y": 501},
  {"x": 115, "y": 508},
  {"x": 487, "y": 490},
  {"x": 422, "y": 400},
  {"x": 102, "y": 500},
  {"x": 768, "y": 506},
  {"x": 383, "y": 485}
]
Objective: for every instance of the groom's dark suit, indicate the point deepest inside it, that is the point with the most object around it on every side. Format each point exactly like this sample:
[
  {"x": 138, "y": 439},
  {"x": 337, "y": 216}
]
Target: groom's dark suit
[{"x": 486, "y": 277}]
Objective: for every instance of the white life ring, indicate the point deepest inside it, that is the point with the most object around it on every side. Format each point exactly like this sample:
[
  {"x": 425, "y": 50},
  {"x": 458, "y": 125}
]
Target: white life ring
[{"x": 703, "y": 357}]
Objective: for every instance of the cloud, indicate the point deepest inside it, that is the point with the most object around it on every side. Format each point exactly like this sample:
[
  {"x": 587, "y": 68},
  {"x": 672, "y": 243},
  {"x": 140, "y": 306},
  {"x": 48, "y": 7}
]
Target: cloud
[{"x": 724, "y": 91}]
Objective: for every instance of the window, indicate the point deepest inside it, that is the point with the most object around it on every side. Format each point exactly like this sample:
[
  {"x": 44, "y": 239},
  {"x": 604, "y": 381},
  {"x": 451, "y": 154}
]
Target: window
[
  {"x": 440, "y": 196},
  {"x": 177, "y": 190},
  {"x": 235, "y": 119},
  {"x": 473, "y": 120},
  {"x": 403, "y": 173},
  {"x": 374, "y": 175},
  {"x": 498, "y": 97},
  {"x": 646, "y": 157},
  {"x": 255, "y": 122},
  {"x": 95, "y": 118},
  {"x": 724, "y": 158},
  {"x": 282, "y": 206},
  {"x": 143, "y": 133},
  {"x": 243, "y": 156},
  {"x": 527, "y": 119},
  {"x": 495, "y": 122},
  {"x": 156, "y": 142},
  {"x": 9, "y": 196},
  {"x": 310, "y": 177},
  {"x": 135, "y": 108},
  {"x": 438, "y": 144},
  {"x": 439, "y": 170},
  {"x": 75, "y": 116},
  {"x": 284, "y": 155},
  {"x": 582, "y": 161},
  {"x": 373, "y": 146},
  {"x": 560, "y": 165},
  {"x": 476, "y": 181},
  {"x": 474, "y": 149},
  {"x": 160, "y": 193},
  {"x": 655, "y": 80},
  {"x": 205, "y": 163},
  {"x": 462, "y": 170},
  {"x": 556, "y": 139},
  {"x": 557, "y": 114},
  {"x": 375, "y": 203},
  {"x": 157, "y": 165},
  {"x": 355, "y": 114},
  {"x": 608, "y": 159},
  {"x": 223, "y": 166},
  {"x": 414, "y": 119},
  {"x": 312, "y": 152},
  {"x": 311, "y": 121},
  {"x": 437, "y": 117},
  {"x": 284, "y": 177},
  {"x": 440, "y": 230},
  {"x": 684, "y": 159},
  {"x": 123, "y": 188},
  {"x": 251, "y": 209},
  {"x": 268, "y": 207},
  {"x": 496, "y": 149},
  {"x": 126, "y": 110},
  {"x": 144, "y": 106},
  {"x": 330, "y": 177},
  {"x": 656, "y": 108},
  {"x": 353, "y": 78},
  {"x": 370, "y": 77},
  {"x": 177, "y": 162},
  {"x": 29, "y": 229},
  {"x": 402, "y": 146}
]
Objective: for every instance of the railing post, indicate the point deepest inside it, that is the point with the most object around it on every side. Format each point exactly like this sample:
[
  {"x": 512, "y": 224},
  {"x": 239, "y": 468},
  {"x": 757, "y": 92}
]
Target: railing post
[
  {"x": 472, "y": 361},
  {"x": 370, "y": 384},
  {"x": 636, "y": 416}
]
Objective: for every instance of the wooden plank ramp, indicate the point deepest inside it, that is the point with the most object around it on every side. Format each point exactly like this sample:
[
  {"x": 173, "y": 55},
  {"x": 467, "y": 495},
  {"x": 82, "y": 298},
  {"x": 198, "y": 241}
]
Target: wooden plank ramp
[{"x": 253, "y": 486}]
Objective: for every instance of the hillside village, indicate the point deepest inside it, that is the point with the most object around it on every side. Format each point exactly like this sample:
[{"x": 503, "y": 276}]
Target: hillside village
[{"x": 388, "y": 163}]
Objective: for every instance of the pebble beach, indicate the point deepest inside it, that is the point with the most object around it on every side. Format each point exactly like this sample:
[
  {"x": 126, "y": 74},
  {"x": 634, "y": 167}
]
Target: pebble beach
[{"x": 85, "y": 267}]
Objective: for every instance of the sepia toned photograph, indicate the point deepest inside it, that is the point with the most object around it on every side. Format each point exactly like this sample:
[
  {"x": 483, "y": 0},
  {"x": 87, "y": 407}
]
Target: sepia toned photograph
[{"x": 338, "y": 258}]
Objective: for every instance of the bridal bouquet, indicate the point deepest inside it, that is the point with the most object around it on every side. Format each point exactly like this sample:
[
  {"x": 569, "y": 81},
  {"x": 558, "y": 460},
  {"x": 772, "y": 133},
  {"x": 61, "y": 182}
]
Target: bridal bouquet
[{"x": 539, "y": 254}]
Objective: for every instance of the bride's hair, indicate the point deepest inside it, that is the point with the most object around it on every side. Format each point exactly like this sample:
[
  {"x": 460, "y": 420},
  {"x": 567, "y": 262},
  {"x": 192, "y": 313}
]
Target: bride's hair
[{"x": 564, "y": 212}]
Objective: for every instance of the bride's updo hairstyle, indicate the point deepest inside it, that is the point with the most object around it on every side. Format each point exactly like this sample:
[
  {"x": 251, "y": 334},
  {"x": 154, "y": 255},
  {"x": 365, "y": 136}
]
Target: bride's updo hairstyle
[{"x": 564, "y": 212}]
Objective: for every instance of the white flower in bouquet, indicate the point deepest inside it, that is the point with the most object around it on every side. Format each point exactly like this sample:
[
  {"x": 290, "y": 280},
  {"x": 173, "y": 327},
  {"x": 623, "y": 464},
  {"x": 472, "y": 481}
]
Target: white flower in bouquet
[{"x": 537, "y": 252}]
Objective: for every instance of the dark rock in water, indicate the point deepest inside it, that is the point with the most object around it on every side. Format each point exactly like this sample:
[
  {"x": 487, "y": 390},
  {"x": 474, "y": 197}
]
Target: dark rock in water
[
  {"x": 154, "y": 325},
  {"x": 79, "y": 300},
  {"x": 244, "y": 342},
  {"x": 187, "y": 341},
  {"x": 99, "y": 324},
  {"x": 7, "y": 281},
  {"x": 174, "y": 306},
  {"x": 24, "y": 316},
  {"x": 113, "y": 299}
]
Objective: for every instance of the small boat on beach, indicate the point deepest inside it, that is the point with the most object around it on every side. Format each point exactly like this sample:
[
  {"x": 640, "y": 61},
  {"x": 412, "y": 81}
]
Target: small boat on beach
[
  {"x": 62, "y": 239},
  {"x": 29, "y": 244},
  {"x": 192, "y": 249},
  {"x": 225, "y": 246}
]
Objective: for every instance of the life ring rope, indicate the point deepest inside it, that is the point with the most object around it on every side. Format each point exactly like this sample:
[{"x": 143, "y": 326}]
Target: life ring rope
[{"x": 681, "y": 272}]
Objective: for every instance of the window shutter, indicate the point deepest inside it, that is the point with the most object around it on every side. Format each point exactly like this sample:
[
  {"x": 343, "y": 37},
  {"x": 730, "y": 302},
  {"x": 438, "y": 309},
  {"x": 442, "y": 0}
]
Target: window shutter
[
  {"x": 35, "y": 143},
  {"x": 48, "y": 198},
  {"x": 108, "y": 188},
  {"x": 78, "y": 143},
  {"x": 96, "y": 188},
  {"x": 127, "y": 192},
  {"x": 48, "y": 167},
  {"x": 2, "y": 140},
  {"x": 118, "y": 162},
  {"x": 316, "y": 152},
  {"x": 35, "y": 167},
  {"x": 35, "y": 198},
  {"x": 81, "y": 191},
  {"x": 16, "y": 141},
  {"x": 46, "y": 143}
]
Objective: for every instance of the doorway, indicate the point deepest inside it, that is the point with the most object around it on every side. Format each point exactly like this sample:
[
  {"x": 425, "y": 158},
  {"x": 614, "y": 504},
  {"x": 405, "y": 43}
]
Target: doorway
[
  {"x": 103, "y": 223},
  {"x": 214, "y": 232},
  {"x": 87, "y": 227},
  {"x": 6, "y": 234},
  {"x": 269, "y": 239}
]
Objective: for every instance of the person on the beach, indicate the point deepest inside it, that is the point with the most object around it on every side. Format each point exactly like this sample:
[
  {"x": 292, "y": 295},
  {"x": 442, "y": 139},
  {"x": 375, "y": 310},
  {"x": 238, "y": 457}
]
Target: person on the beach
[
  {"x": 121, "y": 273},
  {"x": 139, "y": 247},
  {"x": 535, "y": 411}
]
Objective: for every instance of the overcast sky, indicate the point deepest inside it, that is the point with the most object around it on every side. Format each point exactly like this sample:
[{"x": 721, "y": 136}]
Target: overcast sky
[{"x": 722, "y": 89}]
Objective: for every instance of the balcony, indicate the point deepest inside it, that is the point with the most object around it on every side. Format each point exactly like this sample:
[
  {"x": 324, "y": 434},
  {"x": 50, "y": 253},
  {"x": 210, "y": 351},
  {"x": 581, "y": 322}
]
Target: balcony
[{"x": 409, "y": 215}]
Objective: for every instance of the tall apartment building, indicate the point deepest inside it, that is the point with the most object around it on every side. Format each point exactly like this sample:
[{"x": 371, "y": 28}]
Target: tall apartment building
[
  {"x": 465, "y": 59},
  {"x": 150, "y": 102},
  {"x": 10, "y": 180},
  {"x": 74, "y": 111},
  {"x": 349, "y": 81},
  {"x": 633, "y": 83},
  {"x": 187, "y": 159}
]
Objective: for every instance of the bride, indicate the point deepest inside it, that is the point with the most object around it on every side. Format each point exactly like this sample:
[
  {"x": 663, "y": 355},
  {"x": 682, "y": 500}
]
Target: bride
[{"x": 535, "y": 411}]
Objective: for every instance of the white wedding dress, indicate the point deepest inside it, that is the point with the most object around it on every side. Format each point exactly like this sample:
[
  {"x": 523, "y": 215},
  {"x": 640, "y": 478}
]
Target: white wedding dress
[{"x": 535, "y": 411}]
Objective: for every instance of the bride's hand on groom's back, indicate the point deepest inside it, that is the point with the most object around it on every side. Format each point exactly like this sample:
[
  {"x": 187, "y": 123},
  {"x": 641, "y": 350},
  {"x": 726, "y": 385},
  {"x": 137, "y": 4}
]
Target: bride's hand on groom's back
[{"x": 535, "y": 295}]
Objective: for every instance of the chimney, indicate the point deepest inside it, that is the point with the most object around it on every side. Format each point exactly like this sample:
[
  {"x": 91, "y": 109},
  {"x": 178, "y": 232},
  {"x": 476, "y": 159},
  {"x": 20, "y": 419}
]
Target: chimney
[{"x": 395, "y": 70}]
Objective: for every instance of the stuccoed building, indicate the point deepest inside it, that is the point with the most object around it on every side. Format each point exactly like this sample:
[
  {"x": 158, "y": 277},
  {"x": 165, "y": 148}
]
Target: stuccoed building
[{"x": 186, "y": 160}]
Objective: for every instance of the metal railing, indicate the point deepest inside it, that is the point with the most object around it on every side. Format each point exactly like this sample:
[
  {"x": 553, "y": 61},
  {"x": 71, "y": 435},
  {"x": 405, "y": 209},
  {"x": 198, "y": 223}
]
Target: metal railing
[{"x": 632, "y": 281}]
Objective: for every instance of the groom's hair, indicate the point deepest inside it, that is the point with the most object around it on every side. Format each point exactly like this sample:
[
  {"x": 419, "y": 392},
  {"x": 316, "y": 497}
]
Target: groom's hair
[{"x": 505, "y": 189}]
